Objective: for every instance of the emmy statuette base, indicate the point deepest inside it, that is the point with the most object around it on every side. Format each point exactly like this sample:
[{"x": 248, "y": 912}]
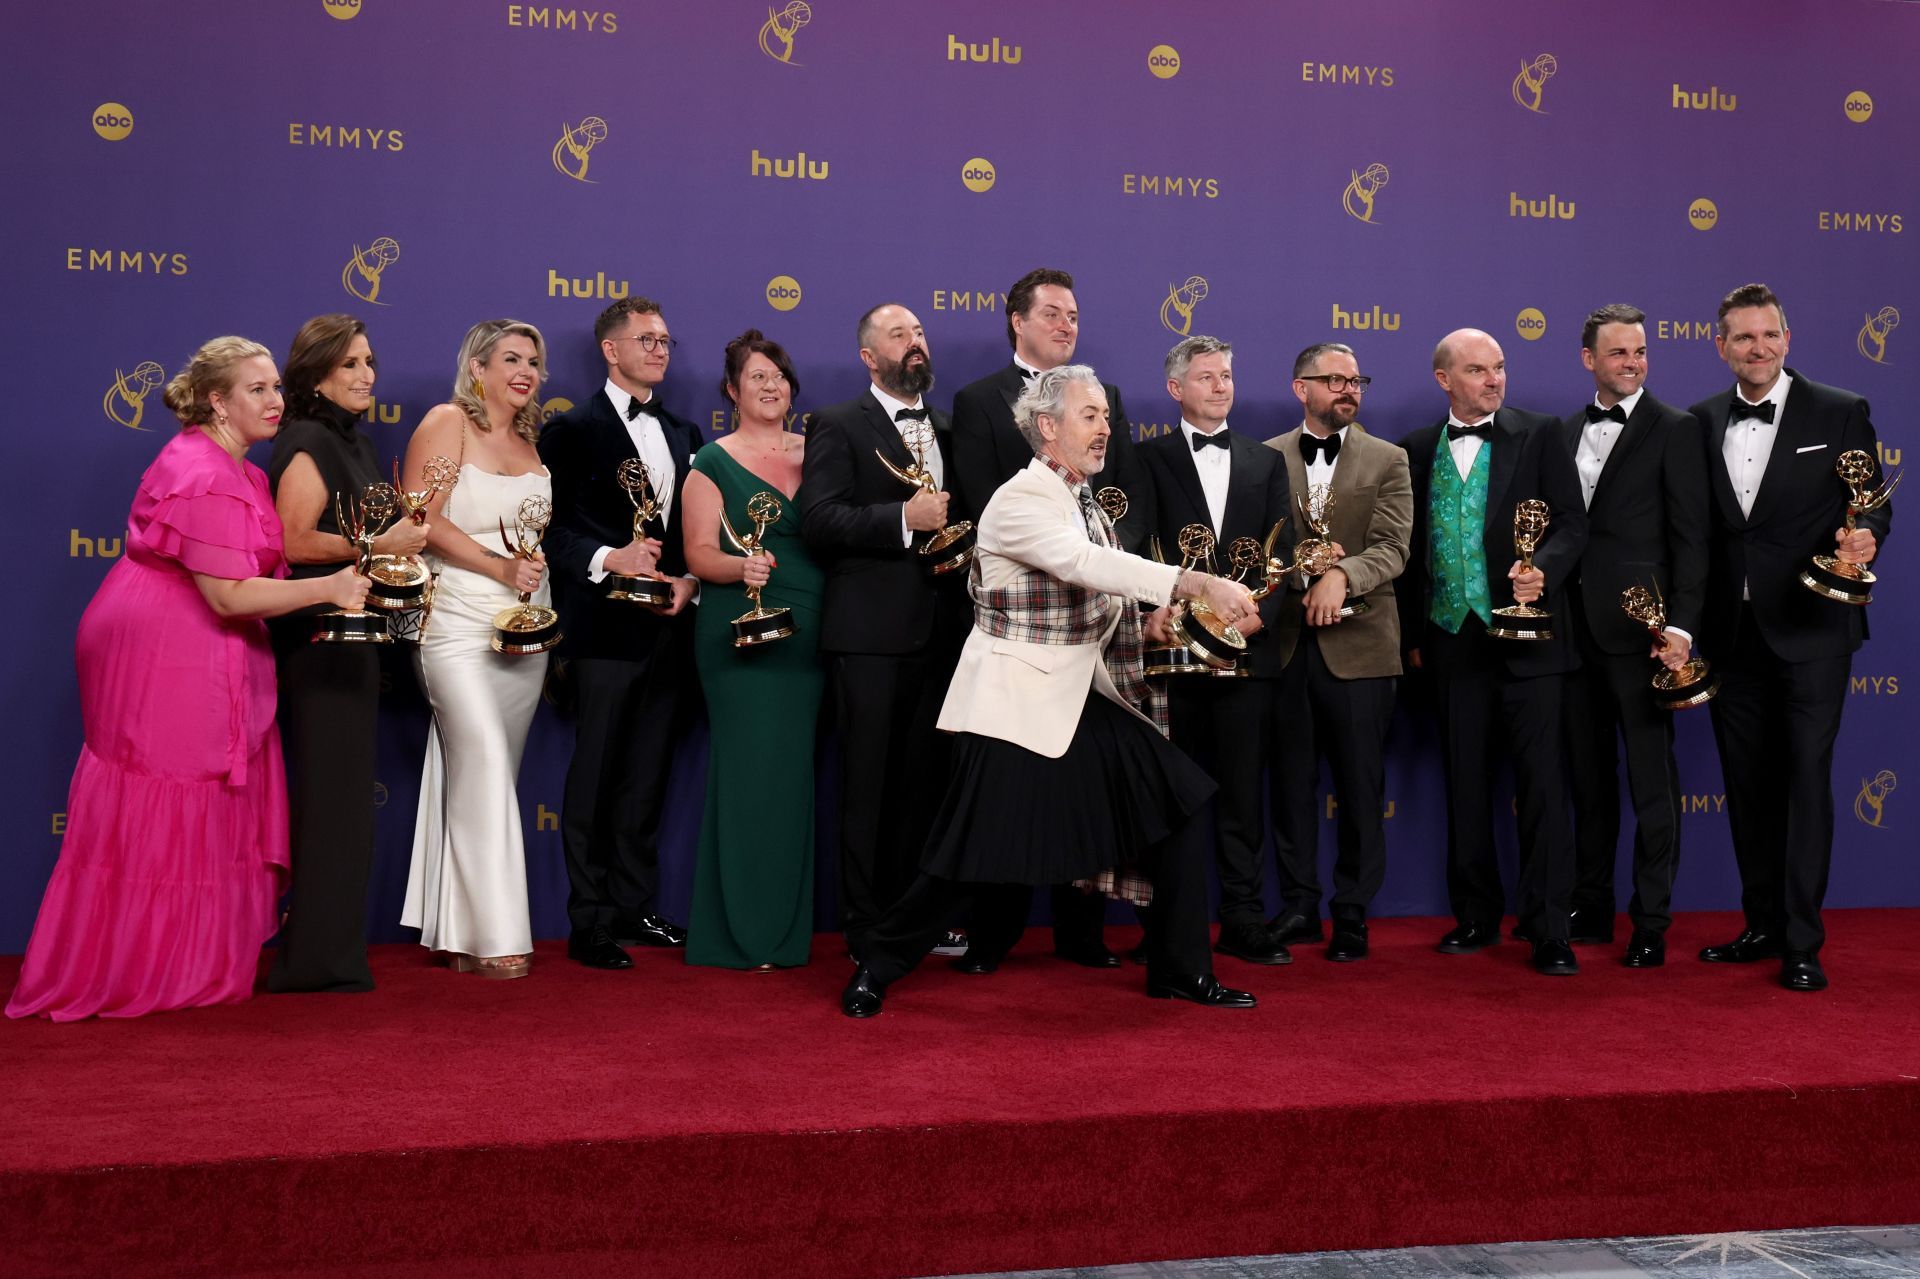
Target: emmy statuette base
[
  {"x": 352, "y": 627},
  {"x": 762, "y": 626},
  {"x": 1173, "y": 661},
  {"x": 525, "y": 629},
  {"x": 395, "y": 585},
  {"x": 949, "y": 549},
  {"x": 1201, "y": 632},
  {"x": 1694, "y": 684},
  {"x": 655, "y": 593},
  {"x": 1839, "y": 581},
  {"x": 1521, "y": 622}
]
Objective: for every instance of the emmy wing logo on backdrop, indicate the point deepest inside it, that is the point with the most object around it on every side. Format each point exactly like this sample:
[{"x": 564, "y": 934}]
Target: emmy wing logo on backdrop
[
  {"x": 1357, "y": 199},
  {"x": 1531, "y": 83},
  {"x": 777, "y": 32},
  {"x": 361, "y": 275},
  {"x": 1870, "y": 804},
  {"x": 576, "y": 144},
  {"x": 1181, "y": 299},
  {"x": 125, "y": 401},
  {"x": 1872, "y": 340}
]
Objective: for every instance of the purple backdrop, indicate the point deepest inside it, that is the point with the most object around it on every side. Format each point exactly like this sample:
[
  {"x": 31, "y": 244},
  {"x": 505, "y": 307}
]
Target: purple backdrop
[{"x": 1371, "y": 171}]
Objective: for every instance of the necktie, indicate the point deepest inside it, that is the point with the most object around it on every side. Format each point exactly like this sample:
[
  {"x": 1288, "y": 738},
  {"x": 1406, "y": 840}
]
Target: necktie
[
  {"x": 1312, "y": 446},
  {"x": 1455, "y": 430},
  {"x": 635, "y": 408},
  {"x": 1597, "y": 414},
  {"x": 1090, "y": 512},
  {"x": 917, "y": 415},
  {"x": 1217, "y": 440},
  {"x": 1742, "y": 409}
]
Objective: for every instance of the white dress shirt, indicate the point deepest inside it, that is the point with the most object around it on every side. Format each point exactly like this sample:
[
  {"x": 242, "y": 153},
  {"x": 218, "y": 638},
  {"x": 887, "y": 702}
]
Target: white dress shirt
[
  {"x": 650, "y": 442},
  {"x": 1216, "y": 470},
  {"x": 1748, "y": 445},
  {"x": 1596, "y": 445},
  {"x": 1320, "y": 470},
  {"x": 935, "y": 467},
  {"x": 1466, "y": 448}
]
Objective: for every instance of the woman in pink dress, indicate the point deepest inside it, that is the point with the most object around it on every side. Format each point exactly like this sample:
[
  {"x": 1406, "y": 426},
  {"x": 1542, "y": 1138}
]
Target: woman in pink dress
[{"x": 176, "y": 843}]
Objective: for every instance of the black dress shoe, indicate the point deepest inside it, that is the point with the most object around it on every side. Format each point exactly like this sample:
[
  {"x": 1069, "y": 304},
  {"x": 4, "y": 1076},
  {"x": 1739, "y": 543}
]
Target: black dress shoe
[
  {"x": 648, "y": 930},
  {"x": 1091, "y": 955},
  {"x": 1800, "y": 970},
  {"x": 1292, "y": 927},
  {"x": 1199, "y": 989},
  {"x": 1594, "y": 926},
  {"x": 975, "y": 965},
  {"x": 1749, "y": 947},
  {"x": 1648, "y": 949},
  {"x": 1467, "y": 938},
  {"x": 596, "y": 948},
  {"x": 951, "y": 943},
  {"x": 1349, "y": 941},
  {"x": 863, "y": 995},
  {"x": 1554, "y": 958},
  {"x": 1252, "y": 941}
]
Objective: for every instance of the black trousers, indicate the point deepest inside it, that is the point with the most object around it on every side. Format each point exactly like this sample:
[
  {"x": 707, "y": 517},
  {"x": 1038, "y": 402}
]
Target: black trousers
[
  {"x": 329, "y": 708},
  {"x": 1176, "y": 923},
  {"x": 1775, "y": 722},
  {"x": 628, "y": 715},
  {"x": 1481, "y": 705},
  {"x": 1317, "y": 714},
  {"x": 1608, "y": 702},
  {"x": 893, "y": 773},
  {"x": 1224, "y": 724}
]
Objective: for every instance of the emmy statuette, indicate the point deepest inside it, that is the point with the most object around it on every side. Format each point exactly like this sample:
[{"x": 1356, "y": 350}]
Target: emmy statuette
[
  {"x": 402, "y": 582},
  {"x": 526, "y": 627},
  {"x": 949, "y": 548},
  {"x": 651, "y": 590},
  {"x": 359, "y": 520},
  {"x": 759, "y": 625},
  {"x": 1829, "y": 575},
  {"x": 1692, "y": 684},
  {"x": 1524, "y": 621},
  {"x": 1194, "y": 626}
]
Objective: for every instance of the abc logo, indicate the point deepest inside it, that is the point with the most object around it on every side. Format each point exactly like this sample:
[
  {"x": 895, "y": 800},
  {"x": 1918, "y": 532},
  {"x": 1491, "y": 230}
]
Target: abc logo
[
  {"x": 112, "y": 121},
  {"x": 341, "y": 9},
  {"x": 1164, "y": 61},
  {"x": 1702, "y": 214},
  {"x": 783, "y": 293},
  {"x": 978, "y": 174},
  {"x": 1859, "y": 106},
  {"x": 1531, "y": 324}
]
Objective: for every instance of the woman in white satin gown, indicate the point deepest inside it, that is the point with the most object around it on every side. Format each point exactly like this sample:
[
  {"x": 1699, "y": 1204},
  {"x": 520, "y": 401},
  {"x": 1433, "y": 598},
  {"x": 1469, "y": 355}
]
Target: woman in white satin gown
[{"x": 467, "y": 886}]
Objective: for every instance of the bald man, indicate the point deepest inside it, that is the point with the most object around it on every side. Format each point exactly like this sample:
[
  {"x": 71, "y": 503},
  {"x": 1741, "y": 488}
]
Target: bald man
[{"x": 1469, "y": 471}]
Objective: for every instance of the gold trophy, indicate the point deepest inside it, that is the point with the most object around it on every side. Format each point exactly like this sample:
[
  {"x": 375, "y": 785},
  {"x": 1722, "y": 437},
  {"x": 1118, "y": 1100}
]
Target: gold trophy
[
  {"x": 402, "y": 582},
  {"x": 1694, "y": 683},
  {"x": 1828, "y": 575},
  {"x": 1176, "y": 660},
  {"x": 359, "y": 520},
  {"x": 649, "y": 589},
  {"x": 1524, "y": 621},
  {"x": 759, "y": 625},
  {"x": 951, "y": 547},
  {"x": 526, "y": 627},
  {"x": 1194, "y": 626}
]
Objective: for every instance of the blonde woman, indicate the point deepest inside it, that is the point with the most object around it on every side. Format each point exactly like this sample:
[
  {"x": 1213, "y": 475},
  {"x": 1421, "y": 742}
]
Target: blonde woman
[
  {"x": 176, "y": 848},
  {"x": 467, "y": 886}
]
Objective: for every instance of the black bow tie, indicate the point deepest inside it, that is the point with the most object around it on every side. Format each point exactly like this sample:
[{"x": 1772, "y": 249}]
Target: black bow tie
[
  {"x": 1312, "y": 446},
  {"x": 916, "y": 415},
  {"x": 1217, "y": 440},
  {"x": 1597, "y": 414},
  {"x": 1742, "y": 409},
  {"x": 635, "y": 408},
  {"x": 1455, "y": 430},
  {"x": 1025, "y": 372}
]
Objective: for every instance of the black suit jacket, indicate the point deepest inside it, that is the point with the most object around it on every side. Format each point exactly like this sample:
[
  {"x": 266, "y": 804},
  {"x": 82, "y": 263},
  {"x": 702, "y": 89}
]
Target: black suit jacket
[
  {"x": 1257, "y": 498},
  {"x": 1800, "y": 504},
  {"x": 583, "y": 449},
  {"x": 988, "y": 449},
  {"x": 1647, "y": 524},
  {"x": 1530, "y": 459},
  {"x": 879, "y": 598}
]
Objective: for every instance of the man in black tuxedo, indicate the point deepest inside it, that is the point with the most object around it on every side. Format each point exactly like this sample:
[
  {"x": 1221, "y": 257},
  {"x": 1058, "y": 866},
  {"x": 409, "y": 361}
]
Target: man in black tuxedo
[
  {"x": 630, "y": 668},
  {"x": 892, "y": 629},
  {"x": 1643, "y": 479},
  {"x": 1784, "y": 653},
  {"x": 1043, "y": 328},
  {"x": 1233, "y": 486},
  {"x": 1488, "y": 689}
]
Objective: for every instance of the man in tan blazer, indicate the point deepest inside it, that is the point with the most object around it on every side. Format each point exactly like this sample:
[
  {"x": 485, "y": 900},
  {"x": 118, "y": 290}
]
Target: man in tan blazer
[{"x": 1336, "y": 693}]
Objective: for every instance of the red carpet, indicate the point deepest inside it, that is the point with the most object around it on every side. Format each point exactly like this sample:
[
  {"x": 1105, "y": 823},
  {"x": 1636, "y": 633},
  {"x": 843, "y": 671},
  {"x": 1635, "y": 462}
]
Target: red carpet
[{"x": 685, "y": 1122}]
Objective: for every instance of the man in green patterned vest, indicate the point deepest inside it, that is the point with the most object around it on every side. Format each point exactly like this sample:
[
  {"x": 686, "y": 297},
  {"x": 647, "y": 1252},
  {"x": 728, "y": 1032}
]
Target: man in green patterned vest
[{"x": 1468, "y": 472}]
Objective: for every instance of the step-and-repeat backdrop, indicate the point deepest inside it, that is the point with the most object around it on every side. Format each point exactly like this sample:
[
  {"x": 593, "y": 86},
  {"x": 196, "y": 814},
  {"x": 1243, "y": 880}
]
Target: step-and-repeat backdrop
[{"x": 1373, "y": 172}]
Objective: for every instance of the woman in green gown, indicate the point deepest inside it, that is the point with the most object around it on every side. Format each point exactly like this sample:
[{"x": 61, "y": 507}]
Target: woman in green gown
[{"x": 753, "y": 881}]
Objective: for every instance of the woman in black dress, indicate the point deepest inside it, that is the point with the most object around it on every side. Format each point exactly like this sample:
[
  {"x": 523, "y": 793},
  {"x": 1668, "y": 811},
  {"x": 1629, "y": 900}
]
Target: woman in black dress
[{"x": 329, "y": 693}]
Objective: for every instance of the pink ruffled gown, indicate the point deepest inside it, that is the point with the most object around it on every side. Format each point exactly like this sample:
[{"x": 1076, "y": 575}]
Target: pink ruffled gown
[{"x": 176, "y": 844}]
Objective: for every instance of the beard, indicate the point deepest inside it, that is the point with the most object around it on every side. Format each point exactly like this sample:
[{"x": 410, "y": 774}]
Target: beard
[{"x": 906, "y": 381}]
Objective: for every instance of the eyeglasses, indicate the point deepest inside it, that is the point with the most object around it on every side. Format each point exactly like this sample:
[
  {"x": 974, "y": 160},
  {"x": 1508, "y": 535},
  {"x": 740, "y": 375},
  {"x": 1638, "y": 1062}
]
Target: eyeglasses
[
  {"x": 1337, "y": 382},
  {"x": 648, "y": 342}
]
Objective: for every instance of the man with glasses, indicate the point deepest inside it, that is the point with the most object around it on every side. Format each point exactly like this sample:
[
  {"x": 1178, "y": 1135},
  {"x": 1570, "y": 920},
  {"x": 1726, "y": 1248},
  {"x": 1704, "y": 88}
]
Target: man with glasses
[
  {"x": 1338, "y": 635},
  {"x": 627, "y": 666}
]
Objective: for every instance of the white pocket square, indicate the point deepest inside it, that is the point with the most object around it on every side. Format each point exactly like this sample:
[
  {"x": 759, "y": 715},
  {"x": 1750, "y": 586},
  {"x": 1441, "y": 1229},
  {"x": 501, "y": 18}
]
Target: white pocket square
[{"x": 1811, "y": 448}]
